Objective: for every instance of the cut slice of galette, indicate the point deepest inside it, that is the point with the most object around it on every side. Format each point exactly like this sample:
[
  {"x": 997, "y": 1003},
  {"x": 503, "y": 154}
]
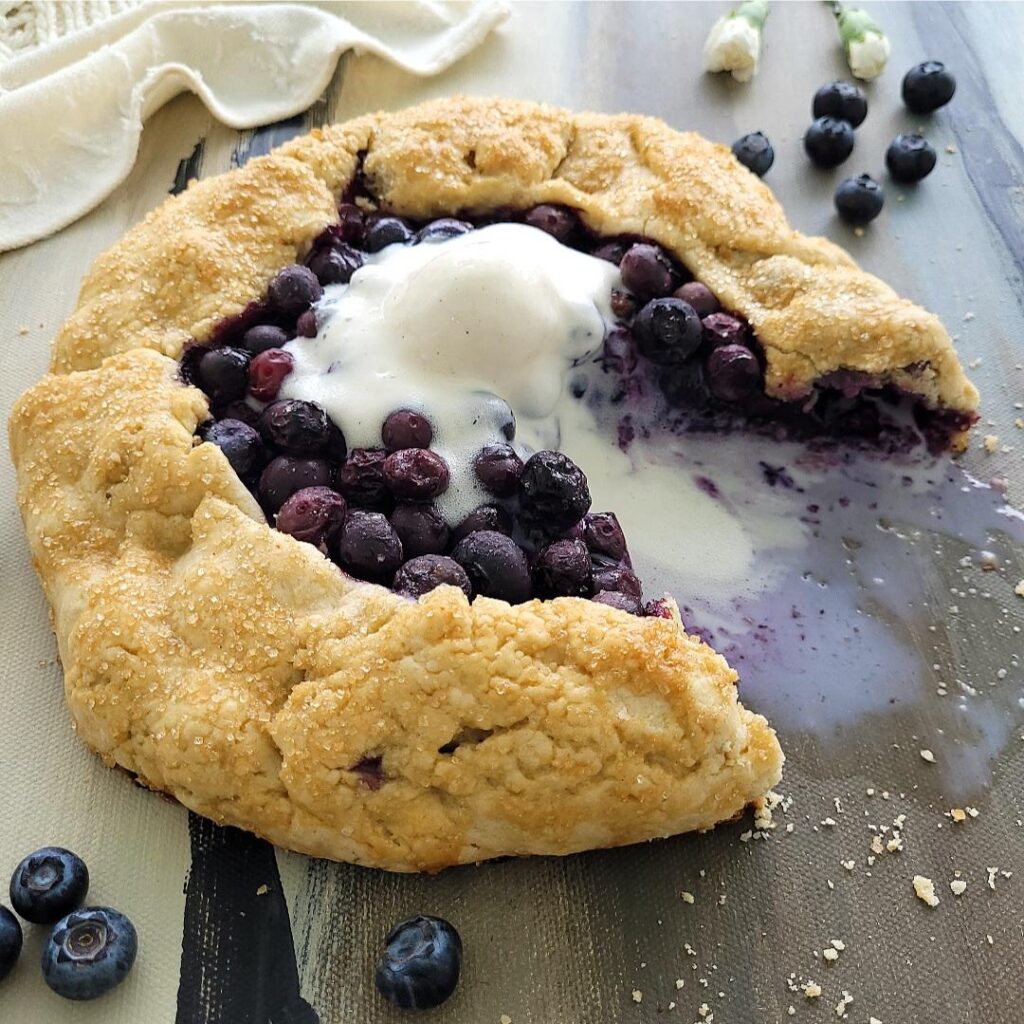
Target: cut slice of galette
[{"x": 307, "y": 485}]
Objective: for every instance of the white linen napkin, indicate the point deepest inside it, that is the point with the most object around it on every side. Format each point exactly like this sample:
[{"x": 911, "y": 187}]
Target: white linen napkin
[{"x": 72, "y": 109}]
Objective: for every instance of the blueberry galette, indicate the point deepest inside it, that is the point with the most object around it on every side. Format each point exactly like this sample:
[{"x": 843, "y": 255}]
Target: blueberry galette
[{"x": 307, "y": 484}]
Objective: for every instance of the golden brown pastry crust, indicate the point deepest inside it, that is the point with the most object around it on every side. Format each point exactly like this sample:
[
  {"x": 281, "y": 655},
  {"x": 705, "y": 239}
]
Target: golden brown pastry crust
[{"x": 239, "y": 670}]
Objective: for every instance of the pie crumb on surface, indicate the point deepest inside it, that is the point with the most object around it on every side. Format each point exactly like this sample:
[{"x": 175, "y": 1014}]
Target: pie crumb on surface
[{"x": 925, "y": 890}]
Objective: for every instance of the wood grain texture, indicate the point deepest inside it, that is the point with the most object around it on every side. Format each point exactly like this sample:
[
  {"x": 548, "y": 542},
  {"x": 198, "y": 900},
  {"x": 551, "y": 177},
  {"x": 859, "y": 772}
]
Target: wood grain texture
[{"x": 553, "y": 941}]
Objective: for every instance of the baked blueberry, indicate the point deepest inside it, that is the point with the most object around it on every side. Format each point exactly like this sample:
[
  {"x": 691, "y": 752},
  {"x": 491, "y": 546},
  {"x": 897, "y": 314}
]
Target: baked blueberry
[
  {"x": 615, "y": 578},
  {"x": 287, "y": 474},
  {"x": 618, "y": 599},
  {"x": 49, "y": 883},
  {"x": 623, "y": 305},
  {"x": 382, "y": 231},
  {"x": 558, "y": 221},
  {"x": 647, "y": 271},
  {"x": 829, "y": 141},
  {"x": 419, "y": 967},
  {"x": 368, "y": 547},
  {"x": 483, "y": 517},
  {"x": 612, "y": 251},
  {"x": 314, "y": 515},
  {"x": 553, "y": 493},
  {"x": 295, "y": 427},
  {"x": 563, "y": 569},
  {"x": 351, "y": 224},
  {"x": 223, "y": 374},
  {"x": 700, "y": 297},
  {"x": 618, "y": 353},
  {"x": 723, "y": 329},
  {"x": 421, "y": 529},
  {"x": 841, "y": 100},
  {"x": 416, "y": 474},
  {"x": 859, "y": 200},
  {"x": 239, "y": 410},
  {"x": 928, "y": 86},
  {"x": 263, "y": 336},
  {"x": 10, "y": 942},
  {"x": 425, "y": 573},
  {"x": 498, "y": 468},
  {"x": 89, "y": 952},
  {"x": 293, "y": 290},
  {"x": 667, "y": 331},
  {"x": 755, "y": 152},
  {"x": 241, "y": 444},
  {"x": 336, "y": 263},
  {"x": 910, "y": 158},
  {"x": 685, "y": 387},
  {"x": 442, "y": 229},
  {"x": 604, "y": 536},
  {"x": 306, "y": 325},
  {"x": 732, "y": 373},
  {"x": 267, "y": 372},
  {"x": 495, "y": 564},
  {"x": 406, "y": 429},
  {"x": 361, "y": 479}
]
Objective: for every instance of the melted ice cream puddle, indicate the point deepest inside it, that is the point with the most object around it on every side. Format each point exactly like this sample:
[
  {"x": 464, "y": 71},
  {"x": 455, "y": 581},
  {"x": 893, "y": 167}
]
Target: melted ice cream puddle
[{"x": 468, "y": 329}]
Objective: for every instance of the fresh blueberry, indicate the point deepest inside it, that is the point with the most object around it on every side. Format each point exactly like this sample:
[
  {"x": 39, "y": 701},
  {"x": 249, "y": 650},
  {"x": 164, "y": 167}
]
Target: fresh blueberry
[
  {"x": 723, "y": 329},
  {"x": 335, "y": 264},
  {"x": 859, "y": 200},
  {"x": 928, "y": 86},
  {"x": 382, "y": 231},
  {"x": 755, "y": 152},
  {"x": 647, "y": 271},
  {"x": 685, "y": 387},
  {"x": 623, "y": 305},
  {"x": 267, "y": 372},
  {"x": 829, "y": 141},
  {"x": 443, "y": 229},
  {"x": 563, "y": 569},
  {"x": 368, "y": 547},
  {"x": 617, "y": 599},
  {"x": 421, "y": 529},
  {"x": 263, "y": 336},
  {"x": 420, "y": 965},
  {"x": 287, "y": 474},
  {"x": 495, "y": 564},
  {"x": 483, "y": 517},
  {"x": 224, "y": 374},
  {"x": 406, "y": 429},
  {"x": 423, "y": 574},
  {"x": 295, "y": 427},
  {"x": 612, "y": 251},
  {"x": 49, "y": 883},
  {"x": 604, "y": 536},
  {"x": 314, "y": 515},
  {"x": 293, "y": 290},
  {"x": 700, "y": 297},
  {"x": 498, "y": 468},
  {"x": 619, "y": 352},
  {"x": 667, "y": 331},
  {"x": 10, "y": 942},
  {"x": 361, "y": 479},
  {"x": 841, "y": 100},
  {"x": 732, "y": 373},
  {"x": 553, "y": 493},
  {"x": 910, "y": 158},
  {"x": 416, "y": 474},
  {"x": 560, "y": 222},
  {"x": 617, "y": 578},
  {"x": 240, "y": 443},
  {"x": 89, "y": 952}
]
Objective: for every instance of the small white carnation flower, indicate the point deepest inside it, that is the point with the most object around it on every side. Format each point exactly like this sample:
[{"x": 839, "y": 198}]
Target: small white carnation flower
[
  {"x": 734, "y": 42},
  {"x": 867, "y": 48}
]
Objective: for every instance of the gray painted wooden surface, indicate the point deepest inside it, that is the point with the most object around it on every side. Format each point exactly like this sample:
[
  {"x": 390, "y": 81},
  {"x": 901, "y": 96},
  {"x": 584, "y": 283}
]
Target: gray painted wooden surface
[{"x": 569, "y": 940}]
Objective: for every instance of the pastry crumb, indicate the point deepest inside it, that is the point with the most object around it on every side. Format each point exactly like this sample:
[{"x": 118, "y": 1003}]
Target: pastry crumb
[
  {"x": 1019, "y": 589},
  {"x": 687, "y": 897},
  {"x": 831, "y": 955},
  {"x": 811, "y": 989},
  {"x": 843, "y": 1003},
  {"x": 924, "y": 888},
  {"x": 263, "y": 890},
  {"x": 504, "y": 1019},
  {"x": 957, "y": 886},
  {"x": 951, "y": 148},
  {"x": 958, "y": 814},
  {"x": 23, "y": 329},
  {"x": 927, "y": 755},
  {"x": 638, "y": 996},
  {"x": 990, "y": 443},
  {"x": 679, "y": 983}
]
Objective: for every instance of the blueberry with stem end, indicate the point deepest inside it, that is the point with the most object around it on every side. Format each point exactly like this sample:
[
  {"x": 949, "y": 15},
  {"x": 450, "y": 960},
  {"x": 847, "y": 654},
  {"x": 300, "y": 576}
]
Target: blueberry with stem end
[
  {"x": 910, "y": 158},
  {"x": 49, "y": 883},
  {"x": 405, "y": 428},
  {"x": 841, "y": 100},
  {"x": 755, "y": 152},
  {"x": 295, "y": 427},
  {"x": 859, "y": 200},
  {"x": 553, "y": 493},
  {"x": 828, "y": 141},
  {"x": 416, "y": 474},
  {"x": 928, "y": 86},
  {"x": 667, "y": 331},
  {"x": 89, "y": 952},
  {"x": 419, "y": 967},
  {"x": 314, "y": 515}
]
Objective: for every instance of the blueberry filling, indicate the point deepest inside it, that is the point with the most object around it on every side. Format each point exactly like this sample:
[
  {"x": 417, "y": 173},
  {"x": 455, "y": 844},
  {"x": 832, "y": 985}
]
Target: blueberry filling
[{"x": 373, "y": 511}]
